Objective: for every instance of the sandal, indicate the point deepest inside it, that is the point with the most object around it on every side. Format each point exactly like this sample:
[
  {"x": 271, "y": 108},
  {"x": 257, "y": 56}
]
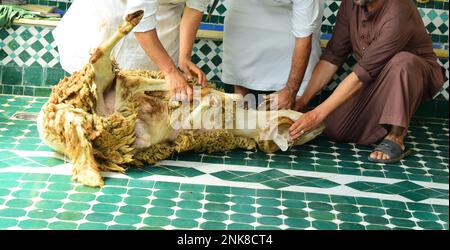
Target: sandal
[{"x": 392, "y": 149}]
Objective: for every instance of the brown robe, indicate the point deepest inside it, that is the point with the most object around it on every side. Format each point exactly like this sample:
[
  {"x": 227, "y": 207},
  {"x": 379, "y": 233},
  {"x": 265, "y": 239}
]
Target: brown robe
[{"x": 396, "y": 62}]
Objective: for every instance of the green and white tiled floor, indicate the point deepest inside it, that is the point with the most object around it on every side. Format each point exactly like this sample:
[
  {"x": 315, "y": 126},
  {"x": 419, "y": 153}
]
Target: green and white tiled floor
[{"x": 323, "y": 185}]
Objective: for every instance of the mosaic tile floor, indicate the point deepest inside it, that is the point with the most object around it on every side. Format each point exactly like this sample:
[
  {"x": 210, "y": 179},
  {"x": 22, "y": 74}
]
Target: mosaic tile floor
[{"x": 323, "y": 185}]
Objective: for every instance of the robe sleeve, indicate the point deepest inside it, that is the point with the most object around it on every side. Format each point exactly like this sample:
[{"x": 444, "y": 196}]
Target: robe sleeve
[
  {"x": 306, "y": 17},
  {"x": 149, "y": 7},
  {"x": 200, "y": 5},
  {"x": 340, "y": 46}
]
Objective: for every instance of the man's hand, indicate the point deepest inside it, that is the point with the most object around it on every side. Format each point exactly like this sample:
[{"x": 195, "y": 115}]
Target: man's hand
[
  {"x": 301, "y": 104},
  {"x": 179, "y": 88},
  {"x": 191, "y": 70},
  {"x": 308, "y": 122},
  {"x": 283, "y": 99}
]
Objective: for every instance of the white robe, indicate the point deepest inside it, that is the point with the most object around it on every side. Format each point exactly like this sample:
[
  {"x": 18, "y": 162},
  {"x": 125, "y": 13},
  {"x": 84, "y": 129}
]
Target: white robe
[
  {"x": 259, "y": 41},
  {"x": 89, "y": 22}
]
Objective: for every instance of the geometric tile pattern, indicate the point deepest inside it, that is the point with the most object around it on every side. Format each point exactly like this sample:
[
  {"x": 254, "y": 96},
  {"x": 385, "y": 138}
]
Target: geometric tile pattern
[
  {"x": 322, "y": 185},
  {"x": 30, "y": 50}
]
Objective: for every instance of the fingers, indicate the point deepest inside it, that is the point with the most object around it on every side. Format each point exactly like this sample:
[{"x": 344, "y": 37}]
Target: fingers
[
  {"x": 187, "y": 72},
  {"x": 201, "y": 76},
  {"x": 296, "y": 130}
]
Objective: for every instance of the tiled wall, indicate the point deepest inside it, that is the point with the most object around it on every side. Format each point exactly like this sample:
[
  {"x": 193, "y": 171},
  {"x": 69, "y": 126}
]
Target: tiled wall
[{"x": 29, "y": 59}]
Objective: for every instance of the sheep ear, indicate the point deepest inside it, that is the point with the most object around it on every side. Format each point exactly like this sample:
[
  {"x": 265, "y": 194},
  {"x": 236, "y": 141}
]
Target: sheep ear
[{"x": 282, "y": 142}]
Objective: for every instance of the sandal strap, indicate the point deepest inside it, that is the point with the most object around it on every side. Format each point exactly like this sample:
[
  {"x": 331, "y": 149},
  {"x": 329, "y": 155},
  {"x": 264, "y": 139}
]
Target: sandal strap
[{"x": 390, "y": 148}]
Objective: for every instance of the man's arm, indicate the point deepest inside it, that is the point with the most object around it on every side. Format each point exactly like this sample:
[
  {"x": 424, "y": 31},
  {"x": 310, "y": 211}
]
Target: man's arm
[
  {"x": 323, "y": 73},
  {"x": 152, "y": 46},
  {"x": 188, "y": 32},
  {"x": 306, "y": 19},
  {"x": 309, "y": 121}
]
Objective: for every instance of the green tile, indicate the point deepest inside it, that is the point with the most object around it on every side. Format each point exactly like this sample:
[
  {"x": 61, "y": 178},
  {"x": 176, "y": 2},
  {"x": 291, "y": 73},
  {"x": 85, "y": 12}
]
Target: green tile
[
  {"x": 86, "y": 189},
  {"x": 71, "y": 216},
  {"x": 243, "y": 208},
  {"x": 218, "y": 190},
  {"x": 215, "y": 216},
  {"x": 33, "y": 76},
  {"x": 188, "y": 214},
  {"x": 349, "y": 217},
  {"x": 268, "y": 193},
  {"x": 376, "y": 220},
  {"x": 317, "y": 197},
  {"x": 141, "y": 184},
  {"x": 163, "y": 203},
  {"x": 156, "y": 221},
  {"x": 398, "y": 213},
  {"x": 33, "y": 185},
  {"x": 19, "y": 203},
  {"x": 167, "y": 185},
  {"x": 217, "y": 207},
  {"x": 243, "y": 200},
  {"x": 368, "y": 202},
  {"x": 59, "y": 225},
  {"x": 53, "y": 195},
  {"x": 221, "y": 198},
  {"x": 53, "y": 76},
  {"x": 343, "y": 199},
  {"x": 99, "y": 217},
  {"x": 212, "y": 225},
  {"x": 377, "y": 227},
  {"x": 351, "y": 226},
  {"x": 128, "y": 219},
  {"x": 139, "y": 192},
  {"x": 297, "y": 223},
  {"x": 324, "y": 225},
  {"x": 166, "y": 194},
  {"x": 420, "y": 207},
  {"x": 271, "y": 211},
  {"x": 394, "y": 204},
  {"x": 184, "y": 223},
  {"x": 346, "y": 208},
  {"x": 294, "y": 204},
  {"x": 321, "y": 215},
  {"x": 7, "y": 223},
  {"x": 430, "y": 225},
  {"x": 186, "y": 204},
  {"x": 121, "y": 227},
  {"x": 320, "y": 206},
  {"x": 33, "y": 224},
  {"x": 41, "y": 214},
  {"x": 49, "y": 204},
  {"x": 425, "y": 216},
  {"x": 192, "y": 187},
  {"x": 402, "y": 222},
  {"x": 239, "y": 226},
  {"x": 136, "y": 201},
  {"x": 441, "y": 209},
  {"x": 109, "y": 198},
  {"x": 76, "y": 206},
  {"x": 82, "y": 197},
  {"x": 114, "y": 190},
  {"x": 372, "y": 211},
  {"x": 191, "y": 196},
  {"x": 270, "y": 221},
  {"x": 26, "y": 194},
  {"x": 104, "y": 208},
  {"x": 243, "y": 218},
  {"x": 268, "y": 202},
  {"x": 295, "y": 213},
  {"x": 131, "y": 209},
  {"x": 160, "y": 211}
]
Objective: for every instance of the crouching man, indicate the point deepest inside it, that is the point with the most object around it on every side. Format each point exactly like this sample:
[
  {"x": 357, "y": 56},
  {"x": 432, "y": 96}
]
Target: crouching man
[{"x": 396, "y": 69}]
